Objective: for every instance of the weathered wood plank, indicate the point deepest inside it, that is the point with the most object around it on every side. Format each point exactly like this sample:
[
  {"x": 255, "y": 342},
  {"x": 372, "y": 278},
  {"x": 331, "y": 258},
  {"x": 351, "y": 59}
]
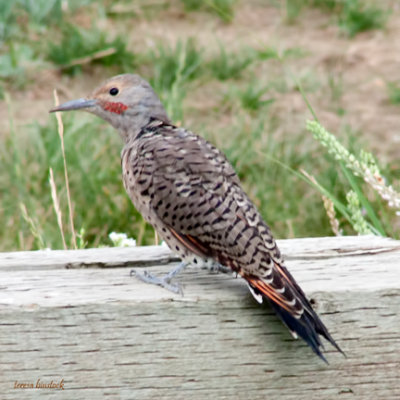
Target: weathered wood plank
[
  {"x": 107, "y": 334},
  {"x": 90, "y": 258},
  {"x": 316, "y": 248}
]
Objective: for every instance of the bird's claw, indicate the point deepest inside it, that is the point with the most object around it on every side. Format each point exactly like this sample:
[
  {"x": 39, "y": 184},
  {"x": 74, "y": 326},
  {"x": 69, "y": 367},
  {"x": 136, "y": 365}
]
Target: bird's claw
[{"x": 164, "y": 281}]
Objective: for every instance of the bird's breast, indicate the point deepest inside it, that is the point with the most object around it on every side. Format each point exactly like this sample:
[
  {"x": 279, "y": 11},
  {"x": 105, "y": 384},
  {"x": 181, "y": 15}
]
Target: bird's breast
[{"x": 136, "y": 177}]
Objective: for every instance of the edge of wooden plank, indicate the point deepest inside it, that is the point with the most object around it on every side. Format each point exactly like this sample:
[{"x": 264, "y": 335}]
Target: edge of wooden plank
[{"x": 292, "y": 249}]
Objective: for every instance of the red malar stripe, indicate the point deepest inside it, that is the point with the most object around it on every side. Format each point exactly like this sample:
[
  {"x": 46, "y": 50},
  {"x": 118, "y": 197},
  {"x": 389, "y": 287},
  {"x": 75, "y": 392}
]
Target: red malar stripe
[{"x": 117, "y": 108}]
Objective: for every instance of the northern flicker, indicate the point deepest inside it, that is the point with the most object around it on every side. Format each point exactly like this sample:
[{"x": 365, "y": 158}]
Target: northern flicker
[{"x": 190, "y": 193}]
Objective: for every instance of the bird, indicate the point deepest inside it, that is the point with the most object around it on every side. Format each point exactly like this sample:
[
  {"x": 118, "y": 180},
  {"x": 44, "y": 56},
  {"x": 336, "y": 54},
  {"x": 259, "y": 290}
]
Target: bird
[{"x": 189, "y": 192}]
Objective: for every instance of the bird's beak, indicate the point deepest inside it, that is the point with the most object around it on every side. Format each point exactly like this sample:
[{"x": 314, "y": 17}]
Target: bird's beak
[{"x": 75, "y": 105}]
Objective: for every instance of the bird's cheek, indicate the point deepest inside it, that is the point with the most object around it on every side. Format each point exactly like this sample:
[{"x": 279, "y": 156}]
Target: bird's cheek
[{"x": 114, "y": 107}]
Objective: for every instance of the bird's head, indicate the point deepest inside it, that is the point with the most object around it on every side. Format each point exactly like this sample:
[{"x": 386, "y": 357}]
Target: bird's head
[{"x": 127, "y": 102}]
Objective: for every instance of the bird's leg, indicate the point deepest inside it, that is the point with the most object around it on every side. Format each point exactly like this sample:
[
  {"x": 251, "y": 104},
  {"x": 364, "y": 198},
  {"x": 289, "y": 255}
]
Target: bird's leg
[
  {"x": 216, "y": 267},
  {"x": 164, "y": 281}
]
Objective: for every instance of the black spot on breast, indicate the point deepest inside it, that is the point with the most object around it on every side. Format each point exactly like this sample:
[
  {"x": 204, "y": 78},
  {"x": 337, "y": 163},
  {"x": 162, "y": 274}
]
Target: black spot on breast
[
  {"x": 209, "y": 211},
  {"x": 159, "y": 203},
  {"x": 202, "y": 203},
  {"x": 217, "y": 220}
]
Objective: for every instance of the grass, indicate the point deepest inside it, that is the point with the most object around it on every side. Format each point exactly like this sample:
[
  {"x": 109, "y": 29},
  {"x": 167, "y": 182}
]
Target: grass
[
  {"x": 393, "y": 92},
  {"x": 224, "y": 9},
  {"x": 227, "y": 65},
  {"x": 27, "y": 40},
  {"x": 16, "y": 64},
  {"x": 352, "y": 16},
  {"x": 356, "y": 16},
  {"x": 42, "y": 11},
  {"x": 252, "y": 98},
  {"x": 230, "y": 95},
  {"x": 7, "y": 20},
  {"x": 79, "y": 46},
  {"x": 172, "y": 69},
  {"x": 360, "y": 208},
  {"x": 99, "y": 204}
]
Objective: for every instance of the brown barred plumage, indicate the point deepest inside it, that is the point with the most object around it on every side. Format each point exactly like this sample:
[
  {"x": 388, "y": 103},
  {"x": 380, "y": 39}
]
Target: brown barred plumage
[{"x": 190, "y": 193}]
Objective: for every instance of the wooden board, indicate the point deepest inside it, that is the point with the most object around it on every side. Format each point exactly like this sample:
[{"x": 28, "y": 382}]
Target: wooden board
[{"x": 80, "y": 317}]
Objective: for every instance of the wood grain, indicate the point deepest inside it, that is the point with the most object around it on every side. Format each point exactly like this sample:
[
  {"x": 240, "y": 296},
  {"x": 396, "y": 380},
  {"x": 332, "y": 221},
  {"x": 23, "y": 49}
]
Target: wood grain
[{"x": 79, "y": 316}]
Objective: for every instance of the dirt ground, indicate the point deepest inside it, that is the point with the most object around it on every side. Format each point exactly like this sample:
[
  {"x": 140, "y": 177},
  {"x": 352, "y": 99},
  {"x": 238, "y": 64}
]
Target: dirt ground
[{"x": 359, "y": 68}]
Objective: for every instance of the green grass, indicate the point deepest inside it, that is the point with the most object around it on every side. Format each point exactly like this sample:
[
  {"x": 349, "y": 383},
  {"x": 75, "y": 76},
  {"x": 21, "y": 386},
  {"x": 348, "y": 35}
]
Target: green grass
[
  {"x": 240, "y": 90},
  {"x": 99, "y": 202},
  {"x": 228, "y": 65},
  {"x": 356, "y": 17},
  {"x": 21, "y": 18},
  {"x": 251, "y": 98},
  {"x": 352, "y": 16},
  {"x": 8, "y": 26},
  {"x": 366, "y": 187},
  {"x": 28, "y": 37},
  {"x": 171, "y": 69},
  {"x": 77, "y": 44},
  {"x": 42, "y": 11},
  {"x": 393, "y": 93},
  {"x": 224, "y": 9},
  {"x": 16, "y": 64}
]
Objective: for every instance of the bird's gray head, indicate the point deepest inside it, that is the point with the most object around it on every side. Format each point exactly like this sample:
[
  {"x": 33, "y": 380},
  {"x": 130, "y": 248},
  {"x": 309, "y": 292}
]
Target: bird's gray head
[{"x": 126, "y": 101}]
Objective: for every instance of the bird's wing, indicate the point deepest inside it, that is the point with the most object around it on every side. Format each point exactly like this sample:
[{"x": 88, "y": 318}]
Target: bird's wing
[{"x": 197, "y": 194}]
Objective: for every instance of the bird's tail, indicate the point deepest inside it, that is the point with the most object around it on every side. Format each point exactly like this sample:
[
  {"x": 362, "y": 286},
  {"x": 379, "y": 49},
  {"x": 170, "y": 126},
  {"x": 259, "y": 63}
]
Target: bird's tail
[
  {"x": 309, "y": 327},
  {"x": 306, "y": 323}
]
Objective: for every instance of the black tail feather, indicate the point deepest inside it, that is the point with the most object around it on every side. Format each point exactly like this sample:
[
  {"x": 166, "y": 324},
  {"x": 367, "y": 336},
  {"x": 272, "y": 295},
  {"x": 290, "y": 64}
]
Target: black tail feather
[
  {"x": 302, "y": 327},
  {"x": 308, "y": 327}
]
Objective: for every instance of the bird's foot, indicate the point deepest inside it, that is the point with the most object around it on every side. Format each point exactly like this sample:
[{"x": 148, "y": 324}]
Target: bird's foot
[{"x": 163, "y": 281}]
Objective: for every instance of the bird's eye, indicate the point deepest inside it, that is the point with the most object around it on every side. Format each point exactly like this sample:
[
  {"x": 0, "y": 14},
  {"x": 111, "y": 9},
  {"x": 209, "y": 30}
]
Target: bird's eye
[{"x": 114, "y": 91}]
